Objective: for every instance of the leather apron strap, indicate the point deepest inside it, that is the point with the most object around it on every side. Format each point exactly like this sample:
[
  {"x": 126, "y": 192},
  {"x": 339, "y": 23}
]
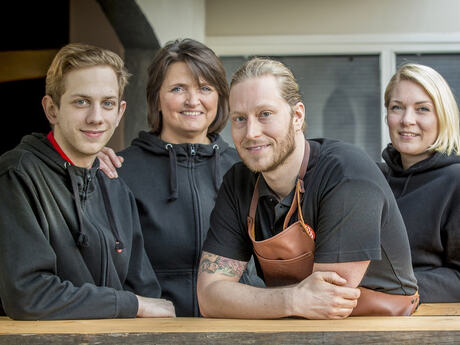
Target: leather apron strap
[{"x": 295, "y": 205}]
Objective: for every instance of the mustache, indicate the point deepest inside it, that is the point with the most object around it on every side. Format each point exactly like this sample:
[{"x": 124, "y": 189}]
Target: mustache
[{"x": 251, "y": 143}]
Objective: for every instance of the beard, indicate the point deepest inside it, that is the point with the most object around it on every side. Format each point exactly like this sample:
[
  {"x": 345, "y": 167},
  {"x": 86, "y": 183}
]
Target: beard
[{"x": 281, "y": 152}]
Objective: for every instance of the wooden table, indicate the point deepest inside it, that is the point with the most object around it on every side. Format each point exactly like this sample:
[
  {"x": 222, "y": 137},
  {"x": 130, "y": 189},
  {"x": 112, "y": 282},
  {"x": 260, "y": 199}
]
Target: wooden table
[{"x": 432, "y": 324}]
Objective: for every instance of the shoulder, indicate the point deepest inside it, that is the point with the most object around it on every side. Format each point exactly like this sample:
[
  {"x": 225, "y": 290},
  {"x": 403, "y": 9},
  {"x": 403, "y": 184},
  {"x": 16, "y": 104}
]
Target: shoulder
[
  {"x": 231, "y": 155},
  {"x": 239, "y": 178},
  {"x": 227, "y": 152},
  {"x": 452, "y": 171},
  {"x": 339, "y": 158},
  {"x": 239, "y": 171},
  {"x": 132, "y": 152},
  {"x": 20, "y": 161},
  {"x": 115, "y": 186}
]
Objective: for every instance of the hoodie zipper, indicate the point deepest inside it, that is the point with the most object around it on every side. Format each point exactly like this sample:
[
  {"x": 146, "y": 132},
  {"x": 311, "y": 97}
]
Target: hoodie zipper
[
  {"x": 86, "y": 183},
  {"x": 198, "y": 225}
]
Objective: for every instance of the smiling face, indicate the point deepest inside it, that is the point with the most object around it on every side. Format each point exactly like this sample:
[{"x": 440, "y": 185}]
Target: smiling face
[
  {"x": 187, "y": 108},
  {"x": 412, "y": 122},
  {"x": 88, "y": 114},
  {"x": 263, "y": 127}
]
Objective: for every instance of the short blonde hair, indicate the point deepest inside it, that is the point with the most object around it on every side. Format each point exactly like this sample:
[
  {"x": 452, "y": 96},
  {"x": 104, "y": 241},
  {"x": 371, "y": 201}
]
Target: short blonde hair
[
  {"x": 75, "y": 56},
  {"x": 448, "y": 140},
  {"x": 258, "y": 67}
]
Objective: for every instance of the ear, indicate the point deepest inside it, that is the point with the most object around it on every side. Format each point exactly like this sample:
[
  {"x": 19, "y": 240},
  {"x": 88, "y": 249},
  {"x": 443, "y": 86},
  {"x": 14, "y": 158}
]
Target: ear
[
  {"x": 50, "y": 109},
  {"x": 299, "y": 116},
  {"x": 121, "y": 111}
]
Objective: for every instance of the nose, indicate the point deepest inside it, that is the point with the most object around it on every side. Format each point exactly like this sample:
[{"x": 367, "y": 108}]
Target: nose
[
  {"x": 192, "y": 98},
  {"x": 95, "y": 114},
  {"x": 253, "y": 130},
  {"x": 408, "y": 117}
]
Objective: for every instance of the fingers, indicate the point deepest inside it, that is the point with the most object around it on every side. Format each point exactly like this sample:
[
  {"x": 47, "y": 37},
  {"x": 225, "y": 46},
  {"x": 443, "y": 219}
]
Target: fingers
[
  {"x": 155, "y": 307},
  {"x": 106, "y": 166},
  {"x": 339, "y": 313},
  {"x": 109, "y": 161},
  {"x": 331, "y": 277},
  {"x": 162, "y": 308},
  {"x": 116, "y": 160}
]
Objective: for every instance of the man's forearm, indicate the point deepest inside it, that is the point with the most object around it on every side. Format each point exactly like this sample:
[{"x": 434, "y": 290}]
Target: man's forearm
[{"x": 230, "y": 299}]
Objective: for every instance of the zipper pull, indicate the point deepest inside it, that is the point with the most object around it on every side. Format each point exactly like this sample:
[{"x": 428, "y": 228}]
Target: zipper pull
[{"x": 192, "y": 150}]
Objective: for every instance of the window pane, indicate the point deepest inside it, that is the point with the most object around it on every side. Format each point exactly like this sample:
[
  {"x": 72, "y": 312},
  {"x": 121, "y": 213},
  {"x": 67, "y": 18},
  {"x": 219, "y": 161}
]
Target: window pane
[{"x": 341, "y": 95}]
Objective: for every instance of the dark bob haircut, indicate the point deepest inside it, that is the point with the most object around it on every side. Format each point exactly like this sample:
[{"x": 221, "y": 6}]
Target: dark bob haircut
[{"x": 203, "y": 63}]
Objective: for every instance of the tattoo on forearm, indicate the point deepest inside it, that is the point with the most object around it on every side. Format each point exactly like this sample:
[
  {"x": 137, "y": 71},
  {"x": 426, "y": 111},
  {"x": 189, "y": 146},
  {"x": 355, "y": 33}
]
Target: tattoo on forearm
[{"x": 211, "y": 263}]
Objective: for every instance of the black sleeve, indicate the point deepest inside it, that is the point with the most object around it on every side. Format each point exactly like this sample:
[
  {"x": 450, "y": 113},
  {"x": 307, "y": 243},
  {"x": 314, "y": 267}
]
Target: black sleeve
[
  {"x": 29, "y": 286},
  {"x": 351, "y": 212},
  {"x": 228, "y": 235}
]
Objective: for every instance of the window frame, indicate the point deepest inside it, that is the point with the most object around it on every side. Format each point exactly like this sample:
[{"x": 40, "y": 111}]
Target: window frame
[{"x": 386, "y": 46}]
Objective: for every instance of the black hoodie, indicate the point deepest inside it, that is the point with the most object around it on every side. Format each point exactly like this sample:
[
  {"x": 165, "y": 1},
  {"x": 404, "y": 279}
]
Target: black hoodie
[
  {"x": 428, "y": 196},
  {"x": 175, "y": 187},
  {"x": 71, "y": 246}
]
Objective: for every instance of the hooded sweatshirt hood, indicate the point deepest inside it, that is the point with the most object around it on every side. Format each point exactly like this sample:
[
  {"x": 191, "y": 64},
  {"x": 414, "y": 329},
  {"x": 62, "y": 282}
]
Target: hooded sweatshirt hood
[{"x": 438, "y": 160}]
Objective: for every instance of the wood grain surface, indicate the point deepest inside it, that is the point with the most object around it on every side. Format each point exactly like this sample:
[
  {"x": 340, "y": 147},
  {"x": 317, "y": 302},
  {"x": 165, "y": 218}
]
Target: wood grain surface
[{"x": 432, "y": 324}]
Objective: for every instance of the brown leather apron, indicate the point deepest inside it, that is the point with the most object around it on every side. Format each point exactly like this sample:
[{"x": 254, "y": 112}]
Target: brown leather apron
[{"x": 287, "y": 258}]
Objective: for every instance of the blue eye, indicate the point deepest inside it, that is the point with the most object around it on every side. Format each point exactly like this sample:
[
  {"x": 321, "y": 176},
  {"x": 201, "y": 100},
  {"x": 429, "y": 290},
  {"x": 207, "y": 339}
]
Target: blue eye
[
  {"x": 81, "y": 102},
  {"x": 238, "y": 119},
  {"x": 395, "y": 107},
  {"x": 108, "y": 104},
  {"x": 265, "y": 114},
  {"x": 424, "y": 109},
  {"x": 176, "y": 89},
  {"x": 206, "y": 88}
]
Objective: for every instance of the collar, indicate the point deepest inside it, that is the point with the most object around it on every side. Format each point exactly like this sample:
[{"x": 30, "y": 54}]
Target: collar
[
  {"x": 53, "y": 142},
  {"x": 266, "y": 192}
]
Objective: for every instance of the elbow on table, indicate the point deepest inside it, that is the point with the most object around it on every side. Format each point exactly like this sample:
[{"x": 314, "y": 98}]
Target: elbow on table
[
  {"x": 22, "y": 308},
  {"x": 22, "y": 313},
  {"x": 203, "y": 296}
]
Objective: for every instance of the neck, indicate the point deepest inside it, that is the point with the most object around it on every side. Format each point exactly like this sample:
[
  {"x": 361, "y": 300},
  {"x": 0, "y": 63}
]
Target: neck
[
  {"x": 178, "y": 139},
  {"x": 282, "y": 180},
  {"x": 408, "y": 161},
  {"x": 82, "y": 162}
]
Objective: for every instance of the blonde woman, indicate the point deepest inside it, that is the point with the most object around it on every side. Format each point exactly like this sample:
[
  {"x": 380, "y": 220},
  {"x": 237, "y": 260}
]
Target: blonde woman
[{"x": 423, "y": 170}]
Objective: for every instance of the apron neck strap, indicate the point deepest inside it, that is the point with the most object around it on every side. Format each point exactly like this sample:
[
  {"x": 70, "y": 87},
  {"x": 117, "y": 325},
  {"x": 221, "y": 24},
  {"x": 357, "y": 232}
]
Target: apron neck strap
[{"x": 295, "y": 202}]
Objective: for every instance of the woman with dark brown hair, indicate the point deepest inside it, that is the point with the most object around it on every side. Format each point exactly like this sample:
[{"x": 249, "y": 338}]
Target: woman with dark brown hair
[{"x": 176, "y": 169}]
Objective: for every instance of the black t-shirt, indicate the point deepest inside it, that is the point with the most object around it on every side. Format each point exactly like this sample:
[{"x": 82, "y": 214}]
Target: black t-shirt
[{"x": 347, "y": 202}]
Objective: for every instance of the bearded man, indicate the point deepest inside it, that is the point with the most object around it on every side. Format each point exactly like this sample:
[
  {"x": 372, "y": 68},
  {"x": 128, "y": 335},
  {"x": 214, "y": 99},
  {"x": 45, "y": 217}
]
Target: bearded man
[{"x": 317, "y": 214}]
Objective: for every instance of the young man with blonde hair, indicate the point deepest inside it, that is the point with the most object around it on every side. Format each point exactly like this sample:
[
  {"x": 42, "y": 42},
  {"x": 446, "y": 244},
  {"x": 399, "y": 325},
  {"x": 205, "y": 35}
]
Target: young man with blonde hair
[
  {"x": 71, "y": 246},
  {"x": 318, "y": 215}
]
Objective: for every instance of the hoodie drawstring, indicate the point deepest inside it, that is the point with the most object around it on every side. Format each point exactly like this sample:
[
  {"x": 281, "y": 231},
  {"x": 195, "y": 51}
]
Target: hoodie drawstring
[
  {"x": 119, "y": 246},
  {"x": 406, "y": 183},
  {"x": 80, "y": 238},
  {"x": 173, "y": 194},
  {"x": 216, "y": 156}
]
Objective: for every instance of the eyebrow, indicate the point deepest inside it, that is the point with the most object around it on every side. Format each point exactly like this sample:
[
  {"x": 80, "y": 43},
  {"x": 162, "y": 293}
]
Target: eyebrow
[
  {"x": 237, "y": 113},
  {"x": 419, "y": 102},
  {"x": 87, "y": 96},
  {"x": 259, "y": 107}
]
